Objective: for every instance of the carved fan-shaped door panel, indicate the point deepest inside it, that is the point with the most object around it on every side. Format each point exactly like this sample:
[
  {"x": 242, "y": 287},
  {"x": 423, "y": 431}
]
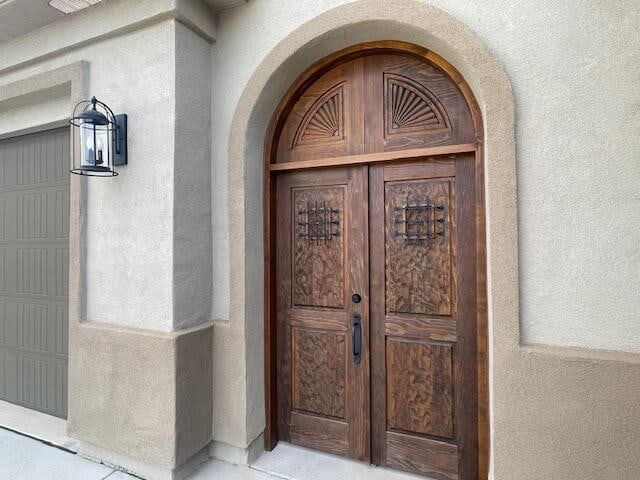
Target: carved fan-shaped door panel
[
  {"x": 417, "y": 106},
  {"x": 326, "y": 120}
]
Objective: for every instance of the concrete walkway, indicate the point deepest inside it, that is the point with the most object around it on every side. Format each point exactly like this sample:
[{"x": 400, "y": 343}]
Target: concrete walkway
[{"x": 24, "y": 458}]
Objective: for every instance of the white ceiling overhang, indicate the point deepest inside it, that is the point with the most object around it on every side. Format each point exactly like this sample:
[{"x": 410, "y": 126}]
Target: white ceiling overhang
[{"x": 19, "y": 17}]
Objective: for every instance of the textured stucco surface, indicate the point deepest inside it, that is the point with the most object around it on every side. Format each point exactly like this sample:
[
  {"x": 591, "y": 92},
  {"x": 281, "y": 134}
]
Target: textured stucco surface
[
  {"x": 105, "y": 20},
  {"x": 160, "y": 411},
  {"x": 51, "y": 105},
  {"x": 20, "y": 17},
  {"x": 566, "y": 414},
  {"x": 192, "y": 284},
  {"x": 131, "y": 217}
]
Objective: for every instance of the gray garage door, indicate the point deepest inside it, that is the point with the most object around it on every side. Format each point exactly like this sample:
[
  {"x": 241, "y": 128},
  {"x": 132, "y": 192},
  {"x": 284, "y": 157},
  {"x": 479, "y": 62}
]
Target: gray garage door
[{"x": 34, "y": 259}]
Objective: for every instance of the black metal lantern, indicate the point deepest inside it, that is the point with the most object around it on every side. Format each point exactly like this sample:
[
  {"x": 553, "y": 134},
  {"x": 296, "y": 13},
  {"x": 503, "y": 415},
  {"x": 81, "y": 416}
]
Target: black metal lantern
[{"x": 101, "y": 143}]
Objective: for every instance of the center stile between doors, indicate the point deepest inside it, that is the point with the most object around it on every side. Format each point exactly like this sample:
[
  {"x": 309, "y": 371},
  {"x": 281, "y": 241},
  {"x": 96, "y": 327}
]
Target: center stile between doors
[{"x": 375, "y": 329}]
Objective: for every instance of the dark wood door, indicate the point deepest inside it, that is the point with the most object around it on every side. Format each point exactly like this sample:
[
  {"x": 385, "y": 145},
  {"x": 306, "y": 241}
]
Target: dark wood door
[
  {"x": 323, "y": 348},
  {"x": 402, "y": 235},
  {"x": 423, "y": 318}
]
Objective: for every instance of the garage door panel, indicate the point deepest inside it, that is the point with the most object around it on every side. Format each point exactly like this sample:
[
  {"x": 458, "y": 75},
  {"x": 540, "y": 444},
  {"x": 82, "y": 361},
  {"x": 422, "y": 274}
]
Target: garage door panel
[
  {"x": 34, "y": 262},
  {"x": 2, "y": 375},
  {"x": 3, "y": 217},
  {"x": 35, "y": 272},
  {"x": 10, "y": 388},
  {"x": 32, "y": 215},
  {"x": 3, "y": 270},
  {"x": 32, "y": 271},
  {"x": 3, "y": 322},
  {"x": 41, "y": 383},
  {"x": 60, "y": 273},
  {"x": 60, "y": 216},
  {"x": 61, "y": 330},
  {"x": 31, "y": 163},
  {"x": 7, "y": 156},
  {"x": 34, "y": 327}
]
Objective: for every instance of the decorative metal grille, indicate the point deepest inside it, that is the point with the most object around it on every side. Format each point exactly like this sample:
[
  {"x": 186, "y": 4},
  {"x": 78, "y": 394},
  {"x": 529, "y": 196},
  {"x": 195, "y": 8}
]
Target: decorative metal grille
[
  {"x": 419, "y": 221},
  {"x": 318, "y": 223}
]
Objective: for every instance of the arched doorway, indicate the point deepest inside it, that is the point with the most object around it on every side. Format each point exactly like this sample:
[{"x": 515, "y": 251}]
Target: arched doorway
[{"x": 375, "y": 295}]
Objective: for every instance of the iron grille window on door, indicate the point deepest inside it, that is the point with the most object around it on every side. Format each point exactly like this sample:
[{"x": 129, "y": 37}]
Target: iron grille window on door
[
  {"x": 419, "y": 221},
  {"x": 318, "y": 222}
]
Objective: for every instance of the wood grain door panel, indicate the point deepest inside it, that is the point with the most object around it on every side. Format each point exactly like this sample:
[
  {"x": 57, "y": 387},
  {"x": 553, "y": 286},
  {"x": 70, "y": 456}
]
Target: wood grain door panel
[
  {"x": 318, "y": 247},
  {"x": 418, "y": 250},
  {"x": 319, "y": 372},
  {"x": 423, "y": 319},
  {"x": 420, "y": 387},
  {"x": 422, "y": 455},
  {"x": 322, "y": 259}
]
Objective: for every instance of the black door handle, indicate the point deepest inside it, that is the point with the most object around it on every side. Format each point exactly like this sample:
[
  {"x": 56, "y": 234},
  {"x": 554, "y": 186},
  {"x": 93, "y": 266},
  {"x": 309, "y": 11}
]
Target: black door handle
[{"x": 356, "y": 334}]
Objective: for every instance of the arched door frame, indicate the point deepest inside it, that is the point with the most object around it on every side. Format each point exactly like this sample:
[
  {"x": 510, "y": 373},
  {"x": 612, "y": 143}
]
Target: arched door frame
[{"x": 270, "y": 167}]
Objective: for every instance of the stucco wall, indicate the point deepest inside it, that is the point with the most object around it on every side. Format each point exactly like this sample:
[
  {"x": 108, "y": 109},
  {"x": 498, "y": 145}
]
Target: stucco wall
[
  {"x": 49, "y": 106},
  {"x": 192, "y": 284}
]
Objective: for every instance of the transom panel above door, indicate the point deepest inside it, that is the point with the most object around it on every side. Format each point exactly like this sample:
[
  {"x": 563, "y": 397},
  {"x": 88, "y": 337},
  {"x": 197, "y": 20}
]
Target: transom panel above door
[{"x": 375, "y": 103}]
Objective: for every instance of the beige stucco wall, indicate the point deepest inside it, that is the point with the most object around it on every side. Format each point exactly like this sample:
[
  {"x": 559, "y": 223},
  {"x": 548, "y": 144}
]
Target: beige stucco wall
[
  {"x": 532, "y": 106},
  {"x": 160, "y": 409}
]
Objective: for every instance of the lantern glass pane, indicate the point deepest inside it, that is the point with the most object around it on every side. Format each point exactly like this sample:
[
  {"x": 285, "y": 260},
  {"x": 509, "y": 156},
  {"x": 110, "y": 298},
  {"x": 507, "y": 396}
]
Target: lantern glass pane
[{"x": 94, "y": 151}]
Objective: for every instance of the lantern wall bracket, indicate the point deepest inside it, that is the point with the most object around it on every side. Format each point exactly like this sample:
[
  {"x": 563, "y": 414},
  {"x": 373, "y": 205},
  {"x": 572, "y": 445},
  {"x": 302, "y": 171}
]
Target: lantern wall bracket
[{"x": 120, "y": 141}]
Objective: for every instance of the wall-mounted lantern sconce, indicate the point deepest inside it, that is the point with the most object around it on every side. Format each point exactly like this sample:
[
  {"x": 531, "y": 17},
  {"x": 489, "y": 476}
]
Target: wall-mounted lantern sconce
[{"x": 101, "y": 140}]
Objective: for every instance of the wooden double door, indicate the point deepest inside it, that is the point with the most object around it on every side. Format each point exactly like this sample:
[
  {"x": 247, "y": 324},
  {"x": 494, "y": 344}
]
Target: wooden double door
[
  {"x": 376, "y": 313},
  {"x": 374, "y": 208}
]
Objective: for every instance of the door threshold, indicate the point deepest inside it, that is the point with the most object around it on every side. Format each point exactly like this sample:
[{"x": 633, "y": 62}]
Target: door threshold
[{"x": 292, "y": 462}]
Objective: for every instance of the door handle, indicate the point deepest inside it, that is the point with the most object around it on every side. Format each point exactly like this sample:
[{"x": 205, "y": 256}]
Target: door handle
[{"x": 356, "y": 335}]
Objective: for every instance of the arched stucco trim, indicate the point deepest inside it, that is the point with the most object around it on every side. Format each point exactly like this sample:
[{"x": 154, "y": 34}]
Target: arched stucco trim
[{"x": 368, "y": 20}]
